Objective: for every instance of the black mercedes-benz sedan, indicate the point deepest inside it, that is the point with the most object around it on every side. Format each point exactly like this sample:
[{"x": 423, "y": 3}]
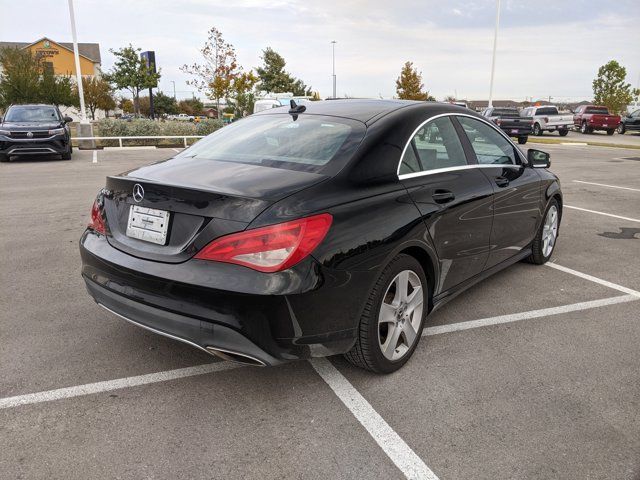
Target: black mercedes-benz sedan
[{"x": 330, "y": 228}]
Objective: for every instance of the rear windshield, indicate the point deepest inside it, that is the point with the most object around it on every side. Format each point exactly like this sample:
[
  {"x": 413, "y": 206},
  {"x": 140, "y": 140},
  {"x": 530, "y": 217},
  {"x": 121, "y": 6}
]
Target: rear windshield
[
  {"x": 505, "y": 112},
  {"x": 547, "y": 111},
  {"x": 306, "y": 143},
  {"x": 597, "y": 110},
  {"x": 31, "y": 114}
]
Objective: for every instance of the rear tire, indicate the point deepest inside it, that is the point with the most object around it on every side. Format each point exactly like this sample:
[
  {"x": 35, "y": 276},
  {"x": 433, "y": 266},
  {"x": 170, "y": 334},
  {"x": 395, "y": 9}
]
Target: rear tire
[
  {"x": 544, "y": 242},
  {"x": 563, "y": 133},
  {"x": 522, "y": 140},
  {"x": 537, "y": 131},
  {"x": 611, "y": 131},
  {"x": 393, "y": 317},
  {"x": 4, "y": 158},
  {"x": 621, "y": 129}
]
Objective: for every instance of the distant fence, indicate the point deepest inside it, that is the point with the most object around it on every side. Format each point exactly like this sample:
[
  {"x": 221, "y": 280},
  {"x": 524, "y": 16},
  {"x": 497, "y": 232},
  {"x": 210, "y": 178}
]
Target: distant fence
[{"x": 139, "y": 139}]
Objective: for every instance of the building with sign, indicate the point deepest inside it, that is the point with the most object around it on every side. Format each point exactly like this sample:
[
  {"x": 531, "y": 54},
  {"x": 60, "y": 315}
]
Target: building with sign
[{"x": 59, "y": 55}]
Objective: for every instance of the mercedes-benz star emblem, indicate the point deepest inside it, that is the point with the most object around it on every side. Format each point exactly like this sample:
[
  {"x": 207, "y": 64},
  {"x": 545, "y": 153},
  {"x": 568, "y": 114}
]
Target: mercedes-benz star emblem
[
  {"x": 138, "y": 192},
  {"x": 30, "y": 134}
]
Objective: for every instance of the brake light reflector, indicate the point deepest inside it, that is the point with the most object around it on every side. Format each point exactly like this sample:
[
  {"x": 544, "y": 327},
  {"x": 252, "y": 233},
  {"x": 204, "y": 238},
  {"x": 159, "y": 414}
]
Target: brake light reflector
[
  {"x": 270, "y": 249},
  {"x": 97, "y": 222}
]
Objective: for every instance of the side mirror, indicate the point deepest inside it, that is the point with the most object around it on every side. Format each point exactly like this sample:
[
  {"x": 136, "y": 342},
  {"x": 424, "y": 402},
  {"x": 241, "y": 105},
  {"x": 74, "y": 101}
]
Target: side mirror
[
  {"x": 68, "y": 119},
  {"x": 538, "y": 158}
]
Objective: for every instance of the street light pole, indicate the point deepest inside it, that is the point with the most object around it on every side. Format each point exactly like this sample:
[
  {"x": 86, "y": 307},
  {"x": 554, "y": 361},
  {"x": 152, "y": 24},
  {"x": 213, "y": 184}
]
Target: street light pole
[
  {"x": 495, "y": 44},
  {"x": 333, "y": 46},
  {"x": 174, "y": 89},
  {"x": 83, "y": 116}
]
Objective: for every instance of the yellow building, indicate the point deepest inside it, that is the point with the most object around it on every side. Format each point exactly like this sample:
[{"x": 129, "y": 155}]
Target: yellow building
[{"x": 59, "y": 55}]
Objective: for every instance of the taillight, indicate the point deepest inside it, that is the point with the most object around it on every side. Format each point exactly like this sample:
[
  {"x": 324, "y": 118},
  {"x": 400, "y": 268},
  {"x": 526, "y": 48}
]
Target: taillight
[
  {"x": 97, "y": 222},
  {"x": 270, "y": 249}
]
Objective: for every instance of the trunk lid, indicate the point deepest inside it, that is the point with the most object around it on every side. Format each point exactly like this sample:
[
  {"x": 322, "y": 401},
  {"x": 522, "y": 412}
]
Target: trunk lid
[{"x": 205, "y": 200}]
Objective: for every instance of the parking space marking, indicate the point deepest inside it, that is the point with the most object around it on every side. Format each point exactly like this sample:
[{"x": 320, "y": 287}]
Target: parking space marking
[
  {"x": 95, "y": 156},
  {"x": 176, "y": 150},
  {"x": 516, "y": 317},
  {"x": 410, "y": 464},
  {"x": 108, "y": 385},
  {"x": 602, "y": 213},
  {"x": 609, "y": 186},
  {"x": 593, "y": 279}
]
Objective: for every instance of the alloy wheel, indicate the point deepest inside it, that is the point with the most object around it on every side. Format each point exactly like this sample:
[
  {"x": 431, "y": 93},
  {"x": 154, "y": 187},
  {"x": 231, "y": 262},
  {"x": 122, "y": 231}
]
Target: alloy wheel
[
  {"x": 400, "y": 315},
  {"x": 550, "y": 231}
]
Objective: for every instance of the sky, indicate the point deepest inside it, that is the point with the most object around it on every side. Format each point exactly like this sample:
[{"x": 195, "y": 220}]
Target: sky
[{"x": 545, "y": 49}]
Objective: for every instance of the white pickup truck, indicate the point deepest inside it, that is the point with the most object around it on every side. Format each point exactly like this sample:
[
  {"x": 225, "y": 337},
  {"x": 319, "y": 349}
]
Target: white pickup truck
[{"x": 547, "y": 118}]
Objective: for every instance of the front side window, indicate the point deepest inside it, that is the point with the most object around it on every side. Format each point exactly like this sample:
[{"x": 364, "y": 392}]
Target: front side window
[
  {"x": 436, "y": 145},
  {"x": 490, "y": 146}
]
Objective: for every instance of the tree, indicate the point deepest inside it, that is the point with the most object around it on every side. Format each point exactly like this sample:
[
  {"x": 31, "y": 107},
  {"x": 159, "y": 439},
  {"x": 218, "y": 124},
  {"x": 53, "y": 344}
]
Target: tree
[
  {"x": 191, "y": 107},
  {"x": 131, "y": 73},
  {"x": 164, "y": 104},
  {"x": 243, "y": 94},
  {"x": 610, "y": 89},
  {"x": 98, "y": 94},
  {"x": 26, "y": 79},
  {"x": 215, "y": 76},
  {"x": 126, "y": 105},
  {"x": 409, "y": 84},
  {"x": 274, "y": 78}
]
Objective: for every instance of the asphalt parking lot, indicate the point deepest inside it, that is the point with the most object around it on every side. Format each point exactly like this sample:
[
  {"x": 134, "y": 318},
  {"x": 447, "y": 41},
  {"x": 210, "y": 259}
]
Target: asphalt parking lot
[{"x": 533, "y": 374}]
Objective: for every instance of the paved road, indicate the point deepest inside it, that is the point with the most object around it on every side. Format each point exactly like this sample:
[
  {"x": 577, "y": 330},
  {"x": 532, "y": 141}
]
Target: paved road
[
  {"x": 555, "y": 394},
  {"x": 629, "y": 138}
]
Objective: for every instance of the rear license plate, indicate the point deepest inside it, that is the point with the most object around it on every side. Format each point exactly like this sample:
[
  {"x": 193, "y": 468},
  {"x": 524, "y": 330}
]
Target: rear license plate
[
  {"x": 148, "y": 224},
  {"x": 605, "y": 125},
  {"x": 515, "y": 130}
]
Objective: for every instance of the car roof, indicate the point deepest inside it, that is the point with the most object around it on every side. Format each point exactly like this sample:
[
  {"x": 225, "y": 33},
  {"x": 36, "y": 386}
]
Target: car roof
[{"x": 364, "y": 110}]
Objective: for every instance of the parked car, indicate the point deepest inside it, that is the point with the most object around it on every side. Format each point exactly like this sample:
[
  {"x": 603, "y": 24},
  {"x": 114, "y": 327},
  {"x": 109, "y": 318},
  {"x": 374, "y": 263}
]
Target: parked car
[
  {"x": 630, "y": 122},
  {"x": 547, "y": 118},
  {"x": 183, "y": 117},
  {"x": 333, "y": 227},
  {"x": 633, "y": 106},
  {"x": 588, "y": 118},
  {"x": 34, "y": 130},
  {"x": 510, "y": 121}
]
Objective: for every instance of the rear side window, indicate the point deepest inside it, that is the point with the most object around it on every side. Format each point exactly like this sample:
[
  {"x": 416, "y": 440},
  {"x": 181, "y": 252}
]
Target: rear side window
[
  {"x": 490, "y": 147},
  {"x": 436, "y": 145},
  {"x": 599, "y": 111},
  {"x": 307, "y": 142}
]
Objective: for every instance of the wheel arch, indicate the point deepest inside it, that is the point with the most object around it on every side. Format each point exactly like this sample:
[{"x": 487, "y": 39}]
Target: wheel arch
[{"x": 428, "y": 266}]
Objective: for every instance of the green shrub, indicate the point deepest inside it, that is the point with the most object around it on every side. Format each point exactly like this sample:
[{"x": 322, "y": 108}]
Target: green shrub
[{"x": 142, "y": 127}]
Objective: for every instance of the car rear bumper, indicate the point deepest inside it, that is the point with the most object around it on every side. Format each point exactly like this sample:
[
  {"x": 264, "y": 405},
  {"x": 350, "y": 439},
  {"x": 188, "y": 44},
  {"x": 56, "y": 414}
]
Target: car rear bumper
[
  {"x": 516, "y": 131},
  {"x": 227, "y": 310}
]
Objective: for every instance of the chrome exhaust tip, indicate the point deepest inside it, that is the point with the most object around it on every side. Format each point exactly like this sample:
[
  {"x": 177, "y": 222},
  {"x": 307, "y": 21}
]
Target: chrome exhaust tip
[{"x": 235, "y": 357}]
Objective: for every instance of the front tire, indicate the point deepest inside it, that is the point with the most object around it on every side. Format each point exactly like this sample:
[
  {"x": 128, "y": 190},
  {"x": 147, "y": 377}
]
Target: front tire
[
  {"x": 393, "y": 317},
  {"x": 545, "y": 240},
  {"x": 611, "y": 131},
  {"x": 584, "y": 129},
  {"x": 4, "y": 157},
  {"x": 522, "y": 140},
  {"x": 67, "y": 155},
  {"x": 563, "y": 133},
  {"x": 621, "y": 129}
]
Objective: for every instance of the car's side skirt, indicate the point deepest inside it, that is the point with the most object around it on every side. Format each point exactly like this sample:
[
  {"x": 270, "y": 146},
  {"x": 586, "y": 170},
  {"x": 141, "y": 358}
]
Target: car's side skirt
[{"x": 444, "y": 297}]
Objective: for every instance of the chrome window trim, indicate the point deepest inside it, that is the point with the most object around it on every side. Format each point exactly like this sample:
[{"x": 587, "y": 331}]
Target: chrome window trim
[{"x": 461, "y": 167}]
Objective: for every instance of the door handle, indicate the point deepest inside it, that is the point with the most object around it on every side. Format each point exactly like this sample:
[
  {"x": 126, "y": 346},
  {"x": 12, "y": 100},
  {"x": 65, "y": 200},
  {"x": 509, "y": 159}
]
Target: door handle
[
  {"x": 443, "y": 196},
  {"x": 502, "y": 181}
]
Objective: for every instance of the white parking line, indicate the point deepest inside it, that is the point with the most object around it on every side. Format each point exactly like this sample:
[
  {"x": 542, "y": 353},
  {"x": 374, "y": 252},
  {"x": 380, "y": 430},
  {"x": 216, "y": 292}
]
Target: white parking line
[
  {"x": 95, "y": 156},
  {"x": 410, "y": 464},
  {"x": 602, "y": 213},
  {"x": 176, "y": 150},
  {"x": 517, "y": 317},
  {"x": 609, "y": 186},
  {"x": 116, "y": 384},
  {"x": 593, "y": 279}
]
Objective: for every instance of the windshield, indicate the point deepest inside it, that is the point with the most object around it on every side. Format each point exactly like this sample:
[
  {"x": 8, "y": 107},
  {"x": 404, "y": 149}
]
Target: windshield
[
  {"x": 31, "y": 114},
  {"x": 307, "y": 143}
]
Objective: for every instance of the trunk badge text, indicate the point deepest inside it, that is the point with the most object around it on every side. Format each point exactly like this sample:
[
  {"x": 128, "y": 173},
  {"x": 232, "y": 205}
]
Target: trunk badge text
[{"x": 138, "y": 193}]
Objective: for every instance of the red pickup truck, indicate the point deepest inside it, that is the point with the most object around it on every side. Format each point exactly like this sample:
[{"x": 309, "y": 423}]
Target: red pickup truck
[{"x": 588, "y": 118}]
